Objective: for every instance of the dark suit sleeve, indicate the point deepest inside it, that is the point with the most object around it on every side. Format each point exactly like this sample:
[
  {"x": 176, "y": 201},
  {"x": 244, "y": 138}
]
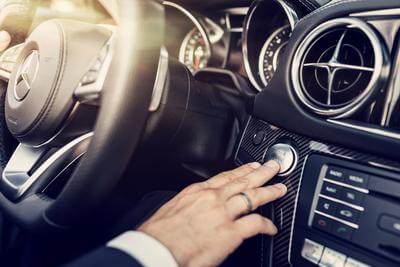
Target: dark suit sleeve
[{"x": 105, "y": 257}]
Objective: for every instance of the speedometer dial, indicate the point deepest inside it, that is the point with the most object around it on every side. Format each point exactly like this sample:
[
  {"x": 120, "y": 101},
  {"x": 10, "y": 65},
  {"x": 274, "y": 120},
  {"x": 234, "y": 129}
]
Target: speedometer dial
[
  {"x": 273, "y": 48},
  {"x": 195, "y": 51}
]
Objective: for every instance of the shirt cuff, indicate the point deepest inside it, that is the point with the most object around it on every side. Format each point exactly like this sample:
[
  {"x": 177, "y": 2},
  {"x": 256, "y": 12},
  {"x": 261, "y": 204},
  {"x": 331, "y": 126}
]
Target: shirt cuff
[{"x": 144, "y": 248}]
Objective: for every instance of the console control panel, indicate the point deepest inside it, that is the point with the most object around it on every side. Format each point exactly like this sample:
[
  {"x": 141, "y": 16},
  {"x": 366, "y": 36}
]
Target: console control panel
[{"x": 347, "y": 214}]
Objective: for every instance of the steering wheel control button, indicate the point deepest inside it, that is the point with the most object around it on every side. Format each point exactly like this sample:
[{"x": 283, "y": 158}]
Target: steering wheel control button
[
  {"x": 342, "y": 231},
  {"x": 347, "y": 213},
  {"x": 331, "y": 190},
  {"x": 331, "y": 258},
  {"x": 352, "y": 196},
  {"x": 390, "y": 224},
  {"x": 259, "y": 138},
  {"x": 335, "y": 173},
  {"x": 327, "y": 206},
  {"x": 357, "y": 179},
  {"x": 312, "y": 251},
  {"x": 322, "y": 223},
  {"x": 285, "y": 155}
]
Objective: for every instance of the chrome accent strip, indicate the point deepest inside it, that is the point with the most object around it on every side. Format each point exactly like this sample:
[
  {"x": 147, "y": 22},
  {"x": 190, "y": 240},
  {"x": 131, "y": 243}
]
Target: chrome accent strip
[
  {"x": 293, "y": 19},
  {"x": 21, "y": 173},
  {"x": 367, "y": 129},
  {"x": 375, "y": 13},
  {"x": 359, "y": 208},
  {"x": 362, "y": 190},
  {"x": 161, "y": 79},
  {"x": 352, "y": 225},
  {"x": 381, "y": 68},
  {"x": 393, "y": 92},
  {"x": 295, "y": 210},
  {"x": 236, "y": 11},
  {"x": 242, "y": 137}
]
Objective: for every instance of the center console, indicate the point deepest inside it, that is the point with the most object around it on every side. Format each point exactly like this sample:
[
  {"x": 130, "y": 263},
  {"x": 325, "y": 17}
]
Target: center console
[
  {"x": 342, "y": 207},
  {"x": 347, "y": 214}
]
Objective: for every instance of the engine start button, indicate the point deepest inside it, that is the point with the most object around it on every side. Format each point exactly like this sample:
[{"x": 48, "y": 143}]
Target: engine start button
[{"x": 285, "y": 155}]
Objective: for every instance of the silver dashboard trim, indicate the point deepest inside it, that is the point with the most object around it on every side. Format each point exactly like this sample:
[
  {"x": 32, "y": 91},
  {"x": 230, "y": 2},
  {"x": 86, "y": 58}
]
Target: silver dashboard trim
[
  {"x": 21, "y": 172},
  {"x": 160, "y": 81},
  {"x": 367, "y": 129},
  {"x": 362, "y": 190},
  {"x": 342, "y": 202},
  {"x": 352, "y": 225}
]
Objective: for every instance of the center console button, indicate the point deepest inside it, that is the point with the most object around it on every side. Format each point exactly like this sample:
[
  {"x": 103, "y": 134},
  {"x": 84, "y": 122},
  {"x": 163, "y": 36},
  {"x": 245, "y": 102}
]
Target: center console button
[
  {"x": 322, "y": 223},
  {"x": 341, "y": 230},
  {"x": 335, "y": 173},
  {"x": 350, "y": 262},
  {"x": 312, "y": 251},
  {"x": 332, "y": 258},
  {"x": 326, "y": 206},
  {"x": 259, "y": 137},
  {"x": 285, "y": 155},
  {"x": 347, "y": 213},
  {"x": 390, "y": 224},
  {"x": 352, "y": 196},
  {"x": 358, "y": 179},
  {"x": 331, "y": 190}
]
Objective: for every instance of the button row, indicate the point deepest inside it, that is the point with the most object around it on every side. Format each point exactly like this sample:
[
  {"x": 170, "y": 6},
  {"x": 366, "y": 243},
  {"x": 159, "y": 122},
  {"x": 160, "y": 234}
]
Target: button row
[
  {"x": 324, "y": 256},
  {"x": 347, "y": 176},
  {"x": 345, "y": 194}
]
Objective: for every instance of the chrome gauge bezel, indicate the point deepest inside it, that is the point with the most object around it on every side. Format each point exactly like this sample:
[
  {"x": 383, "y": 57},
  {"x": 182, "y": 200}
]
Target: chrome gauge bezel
[
  {"x": 264, "y": 50},
  {"x": 293, "y": 19},
  {"x": 210, "y": 31}
]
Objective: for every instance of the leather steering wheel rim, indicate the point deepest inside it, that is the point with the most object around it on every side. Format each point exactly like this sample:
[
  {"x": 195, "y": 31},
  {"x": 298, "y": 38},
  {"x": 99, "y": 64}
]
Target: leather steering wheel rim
[{"x": 122, "y": 116}]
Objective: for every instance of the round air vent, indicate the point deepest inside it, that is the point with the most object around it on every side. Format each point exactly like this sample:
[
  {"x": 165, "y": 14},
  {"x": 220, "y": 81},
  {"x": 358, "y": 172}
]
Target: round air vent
[{"x": 339, "y": 67}]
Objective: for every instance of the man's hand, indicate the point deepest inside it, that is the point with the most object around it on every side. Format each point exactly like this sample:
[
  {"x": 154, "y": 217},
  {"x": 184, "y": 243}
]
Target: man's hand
[{"x": 206, "y": 222}]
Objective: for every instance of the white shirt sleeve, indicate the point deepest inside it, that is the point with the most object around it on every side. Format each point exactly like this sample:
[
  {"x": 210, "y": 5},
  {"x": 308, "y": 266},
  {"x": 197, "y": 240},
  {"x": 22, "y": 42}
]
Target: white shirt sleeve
[{"x": 145, "y": 249}]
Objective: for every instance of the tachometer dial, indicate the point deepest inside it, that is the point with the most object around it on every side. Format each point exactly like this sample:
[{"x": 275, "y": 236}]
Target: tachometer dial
[
  {"x": 195, "y": 51},
  {"x": 273, "y": 48}
]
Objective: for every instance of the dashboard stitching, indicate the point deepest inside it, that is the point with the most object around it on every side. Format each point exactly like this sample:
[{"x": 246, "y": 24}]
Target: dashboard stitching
[{"x": 329, "y": 6}]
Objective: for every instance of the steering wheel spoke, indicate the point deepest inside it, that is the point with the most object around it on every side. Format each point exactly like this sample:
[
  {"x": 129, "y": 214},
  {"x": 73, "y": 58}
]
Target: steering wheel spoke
[
  {"x": 33, "y": 168},
  {"x": 8, "y": 61}
]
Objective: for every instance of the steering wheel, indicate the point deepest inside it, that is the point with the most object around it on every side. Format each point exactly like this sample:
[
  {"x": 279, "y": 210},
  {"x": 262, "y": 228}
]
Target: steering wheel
[{"x": 77, "y": 92}]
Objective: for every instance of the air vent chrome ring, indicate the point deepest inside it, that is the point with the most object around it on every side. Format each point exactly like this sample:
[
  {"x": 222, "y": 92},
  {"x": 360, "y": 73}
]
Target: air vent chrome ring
[{"x": 329, "y": 63}]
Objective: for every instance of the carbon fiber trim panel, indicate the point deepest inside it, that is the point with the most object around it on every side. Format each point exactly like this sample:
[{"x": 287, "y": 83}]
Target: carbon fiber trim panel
[{"x": 284, "y": 209}]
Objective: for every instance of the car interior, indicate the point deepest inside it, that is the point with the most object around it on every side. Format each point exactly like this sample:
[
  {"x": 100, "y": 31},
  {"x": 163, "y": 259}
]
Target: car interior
[{"x": 104, "y": 102}]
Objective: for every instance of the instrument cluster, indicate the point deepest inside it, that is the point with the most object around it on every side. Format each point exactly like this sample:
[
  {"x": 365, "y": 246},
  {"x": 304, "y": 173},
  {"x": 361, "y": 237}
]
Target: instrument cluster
[{"x": 245, "y": 40}]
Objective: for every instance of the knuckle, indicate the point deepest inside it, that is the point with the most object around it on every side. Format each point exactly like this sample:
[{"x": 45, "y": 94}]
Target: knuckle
[
  {"x": 210, "y": 194},
  {"x": 242, "y": 180}
]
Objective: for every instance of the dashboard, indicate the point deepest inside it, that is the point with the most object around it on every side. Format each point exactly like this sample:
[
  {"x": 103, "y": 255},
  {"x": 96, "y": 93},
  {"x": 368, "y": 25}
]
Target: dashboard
[{"x": 324, "y": 102}]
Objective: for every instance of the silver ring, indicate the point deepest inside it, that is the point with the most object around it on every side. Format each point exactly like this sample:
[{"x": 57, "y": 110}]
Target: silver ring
[{"x": 247, "y": 200}]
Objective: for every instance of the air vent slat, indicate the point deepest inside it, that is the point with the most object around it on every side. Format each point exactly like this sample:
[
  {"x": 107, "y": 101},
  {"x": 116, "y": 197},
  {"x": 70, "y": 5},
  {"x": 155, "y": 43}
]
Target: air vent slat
[{"x": 339, "y": 67}]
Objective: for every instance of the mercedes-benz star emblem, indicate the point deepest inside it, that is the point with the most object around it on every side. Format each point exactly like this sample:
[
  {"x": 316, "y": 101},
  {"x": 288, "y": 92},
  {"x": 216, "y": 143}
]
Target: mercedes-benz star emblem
[{"x": 26, "y": 75}]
